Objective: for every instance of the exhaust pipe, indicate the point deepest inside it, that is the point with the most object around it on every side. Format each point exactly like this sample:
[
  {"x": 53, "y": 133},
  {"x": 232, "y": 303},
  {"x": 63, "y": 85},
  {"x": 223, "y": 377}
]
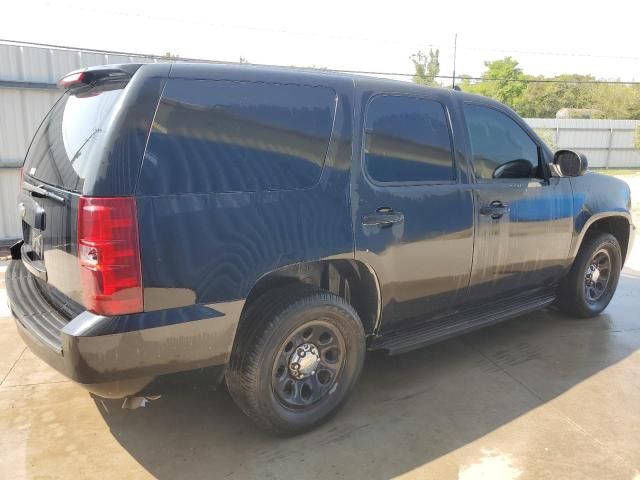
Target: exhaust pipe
[{"x": 133, "y": 403}]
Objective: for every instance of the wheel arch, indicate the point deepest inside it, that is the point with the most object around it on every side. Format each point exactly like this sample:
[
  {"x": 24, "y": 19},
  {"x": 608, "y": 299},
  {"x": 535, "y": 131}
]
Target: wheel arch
[
  {"x": 353, "y": 280},
  {"x": 617, "y": 224}
]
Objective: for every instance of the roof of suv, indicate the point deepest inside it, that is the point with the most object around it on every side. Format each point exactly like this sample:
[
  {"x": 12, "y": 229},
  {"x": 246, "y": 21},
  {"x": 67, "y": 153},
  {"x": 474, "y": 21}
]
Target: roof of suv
[
  {"x": 217, "y": 71},
  {"x": 274, "y": 73}
]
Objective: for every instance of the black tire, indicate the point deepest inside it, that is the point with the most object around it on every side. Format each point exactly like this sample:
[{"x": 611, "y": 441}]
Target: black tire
[
  {"x": 272, "y": 324},
  {"x": 577, "y": 294}
]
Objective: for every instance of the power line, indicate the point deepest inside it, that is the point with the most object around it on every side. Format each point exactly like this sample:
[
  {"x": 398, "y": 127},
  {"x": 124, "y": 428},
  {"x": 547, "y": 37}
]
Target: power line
[
  {"x": 549, "y": 54},
  {"x": 264, "y": 29},
  {"x": 107, "y": 52},
  {"x": 483, "y": 79},
  {"x": 161, "y": 18},
  {"x": 356, "y": 72}
]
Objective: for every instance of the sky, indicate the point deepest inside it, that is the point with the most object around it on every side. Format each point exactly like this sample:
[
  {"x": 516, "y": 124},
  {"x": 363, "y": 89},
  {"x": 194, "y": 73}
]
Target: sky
[{"x": 546, "y": 37}]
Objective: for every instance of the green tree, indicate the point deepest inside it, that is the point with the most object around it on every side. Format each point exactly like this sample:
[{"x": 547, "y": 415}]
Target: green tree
[
  {"x": 505, "y": 81},
  {"x": 608, "y": 100},
  {"x": 502, "y": 80},
  {"x": 544, "y": 99},
  {"x": 617, "y": 101},
  {"x": 464, "y": 82},
  {"x": 427, "y": 67},
  {"x": 548, "y": 136}
]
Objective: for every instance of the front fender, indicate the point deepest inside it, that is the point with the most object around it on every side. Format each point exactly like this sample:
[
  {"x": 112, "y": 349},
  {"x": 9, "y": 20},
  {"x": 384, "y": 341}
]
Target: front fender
[{"x": 596, "y": 197}]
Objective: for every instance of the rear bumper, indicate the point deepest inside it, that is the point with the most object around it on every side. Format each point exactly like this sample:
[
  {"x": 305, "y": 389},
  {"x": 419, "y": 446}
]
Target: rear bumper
[{"x": 118, "y": 356}]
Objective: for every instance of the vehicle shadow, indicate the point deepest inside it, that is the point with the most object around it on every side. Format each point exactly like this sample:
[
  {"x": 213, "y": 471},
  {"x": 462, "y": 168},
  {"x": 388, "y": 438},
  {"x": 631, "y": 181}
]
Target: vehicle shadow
[{"x": 406, "y": 412}]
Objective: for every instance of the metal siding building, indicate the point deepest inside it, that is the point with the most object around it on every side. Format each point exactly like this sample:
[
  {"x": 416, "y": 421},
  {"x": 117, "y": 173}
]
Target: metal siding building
[
  {"x": 607, "y": 143},
  {"x": 28, "y": 77},
  {"x": 28, "y": 89}
]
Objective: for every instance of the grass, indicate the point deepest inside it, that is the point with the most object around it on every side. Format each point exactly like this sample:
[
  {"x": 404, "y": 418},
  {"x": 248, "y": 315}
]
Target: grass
[{"x": 618, "y": 172}]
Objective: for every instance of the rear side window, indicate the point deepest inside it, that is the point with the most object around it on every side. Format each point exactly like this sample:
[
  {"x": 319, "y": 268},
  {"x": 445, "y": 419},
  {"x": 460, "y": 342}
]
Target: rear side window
[
  {"x": 223, "y": 136},
  {"x": 407, "y": 140},
  {"x": 61, "y": 153}
]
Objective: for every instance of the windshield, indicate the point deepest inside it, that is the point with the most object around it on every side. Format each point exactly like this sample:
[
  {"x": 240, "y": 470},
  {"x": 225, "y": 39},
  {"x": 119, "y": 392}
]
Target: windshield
[{"x": 61, "y": 151}]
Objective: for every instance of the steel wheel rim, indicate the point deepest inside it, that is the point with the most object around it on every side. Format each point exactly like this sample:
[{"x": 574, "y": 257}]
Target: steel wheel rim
[
  {"x": 597, "y": 276},
  {"x": 311, "y": 382}
]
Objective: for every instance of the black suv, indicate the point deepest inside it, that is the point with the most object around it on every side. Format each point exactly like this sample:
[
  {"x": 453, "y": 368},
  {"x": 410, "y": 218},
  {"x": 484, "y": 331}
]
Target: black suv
[{"x": 277, "y": 223}]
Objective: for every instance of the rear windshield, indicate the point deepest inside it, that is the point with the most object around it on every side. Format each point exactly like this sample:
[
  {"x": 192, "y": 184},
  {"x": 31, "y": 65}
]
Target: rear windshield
[
  {"x": 61, "y": 151},
  {"x": 225, "y": 136}
]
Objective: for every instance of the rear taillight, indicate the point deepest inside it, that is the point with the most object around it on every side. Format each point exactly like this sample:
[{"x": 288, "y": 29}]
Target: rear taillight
[{"x": 109, "y": 255}]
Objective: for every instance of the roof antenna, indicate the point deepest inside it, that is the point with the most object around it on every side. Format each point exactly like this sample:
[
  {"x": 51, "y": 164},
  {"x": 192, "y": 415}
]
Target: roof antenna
[{"x": 455, "y": 52}]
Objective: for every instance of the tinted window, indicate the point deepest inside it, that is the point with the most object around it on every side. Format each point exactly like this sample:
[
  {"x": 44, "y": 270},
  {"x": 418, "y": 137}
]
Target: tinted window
[
  {"x": 497, "y": 140},
  {"x": 223, "y": 136},
  {"x": 407, "y": 140},
  {"x": 61, "y": 153}
]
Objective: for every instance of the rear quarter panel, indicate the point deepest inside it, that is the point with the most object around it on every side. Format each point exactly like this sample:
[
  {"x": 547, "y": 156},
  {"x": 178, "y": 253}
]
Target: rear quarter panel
[{"x": 213, "y": 247}]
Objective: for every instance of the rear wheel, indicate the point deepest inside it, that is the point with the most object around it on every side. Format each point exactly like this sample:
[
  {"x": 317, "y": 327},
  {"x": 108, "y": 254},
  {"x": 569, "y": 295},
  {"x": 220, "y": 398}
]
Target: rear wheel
[
  {"x": 298, "y": 355},
  {"x": 593, "y": 278}
]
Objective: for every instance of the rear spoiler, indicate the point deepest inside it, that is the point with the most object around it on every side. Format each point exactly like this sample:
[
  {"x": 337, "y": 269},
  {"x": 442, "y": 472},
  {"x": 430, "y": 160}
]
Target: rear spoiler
[{"x": 92, "y": 75}]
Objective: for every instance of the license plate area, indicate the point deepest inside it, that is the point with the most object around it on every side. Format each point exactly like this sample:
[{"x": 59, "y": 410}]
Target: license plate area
[
  {"x": 36, "y": 243},
  {"x": 33, "y": 226}
]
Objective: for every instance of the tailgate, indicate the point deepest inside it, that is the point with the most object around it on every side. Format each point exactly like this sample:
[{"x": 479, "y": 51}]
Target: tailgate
[
  {"x": 64, "y": 152},
  {"x": 49, "y": 251}
]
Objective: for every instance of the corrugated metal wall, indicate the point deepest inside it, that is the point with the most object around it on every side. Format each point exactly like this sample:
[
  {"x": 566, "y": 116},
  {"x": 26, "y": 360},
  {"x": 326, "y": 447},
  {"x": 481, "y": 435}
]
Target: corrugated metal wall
[
  {"x": 21, "y": 111},
  {"x": 606, "y": 143},
  {"x": 9, "y": 186},
  {"x": 28, "y": 77}
]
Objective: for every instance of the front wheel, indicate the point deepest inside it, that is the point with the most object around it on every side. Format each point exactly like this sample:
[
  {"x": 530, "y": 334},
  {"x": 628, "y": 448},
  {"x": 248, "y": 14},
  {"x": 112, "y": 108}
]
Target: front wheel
[
  {"x": 298, "y": 355},
  {"x": 593, "y": 278}
]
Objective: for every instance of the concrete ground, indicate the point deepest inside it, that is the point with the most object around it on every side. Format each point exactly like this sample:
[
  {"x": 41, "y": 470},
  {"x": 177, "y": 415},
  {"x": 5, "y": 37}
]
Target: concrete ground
[{"x": 540, "y": 396}]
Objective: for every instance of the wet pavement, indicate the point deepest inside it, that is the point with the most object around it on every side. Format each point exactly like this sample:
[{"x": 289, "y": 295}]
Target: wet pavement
[{"x": 540, "y": 396}]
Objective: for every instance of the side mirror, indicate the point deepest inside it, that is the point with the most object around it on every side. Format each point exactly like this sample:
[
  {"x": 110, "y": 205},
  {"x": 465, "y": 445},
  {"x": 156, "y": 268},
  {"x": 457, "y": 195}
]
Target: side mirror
[
  {"x": 570, "y": 163},
  {"x": 514, "y": 169}
]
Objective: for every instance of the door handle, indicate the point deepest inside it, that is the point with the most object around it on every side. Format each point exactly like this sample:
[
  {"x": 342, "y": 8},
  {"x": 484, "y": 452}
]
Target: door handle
[
  {"x": 495, "y": 209},
  {"x": 383, "y": 217}
]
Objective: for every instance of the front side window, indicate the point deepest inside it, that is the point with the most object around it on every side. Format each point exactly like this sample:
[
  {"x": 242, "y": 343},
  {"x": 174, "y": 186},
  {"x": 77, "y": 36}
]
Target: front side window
[
  {"x": 407, "y": 140},
  {"x": 501, "y": 148},
  {"x": 230, "y": 136}
]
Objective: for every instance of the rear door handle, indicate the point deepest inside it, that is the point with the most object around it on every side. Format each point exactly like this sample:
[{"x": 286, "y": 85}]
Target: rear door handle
[
  {"x": 495, "y": 209},
  {"x": 383, "y": 217}
]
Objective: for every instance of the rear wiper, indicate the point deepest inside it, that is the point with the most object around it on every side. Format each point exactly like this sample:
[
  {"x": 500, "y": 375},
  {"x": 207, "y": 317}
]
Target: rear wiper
[
  {"x": 38, "y": 191},
  {"x": 75, "y": 157}
]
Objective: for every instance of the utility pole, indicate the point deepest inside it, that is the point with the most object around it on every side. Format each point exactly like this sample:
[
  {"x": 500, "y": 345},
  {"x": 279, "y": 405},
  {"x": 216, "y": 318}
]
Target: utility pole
[{"x": 455, "y": 52}]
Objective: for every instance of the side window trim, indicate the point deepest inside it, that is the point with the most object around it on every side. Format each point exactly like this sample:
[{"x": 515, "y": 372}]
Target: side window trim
[
  {"x": 363, "y": 161},
  {"x": 539, "y": 153}
]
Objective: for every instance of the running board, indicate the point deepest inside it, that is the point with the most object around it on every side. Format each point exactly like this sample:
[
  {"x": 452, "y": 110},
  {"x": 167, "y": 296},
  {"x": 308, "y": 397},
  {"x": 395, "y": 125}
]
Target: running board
[{"x": 460, "y": 322}]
